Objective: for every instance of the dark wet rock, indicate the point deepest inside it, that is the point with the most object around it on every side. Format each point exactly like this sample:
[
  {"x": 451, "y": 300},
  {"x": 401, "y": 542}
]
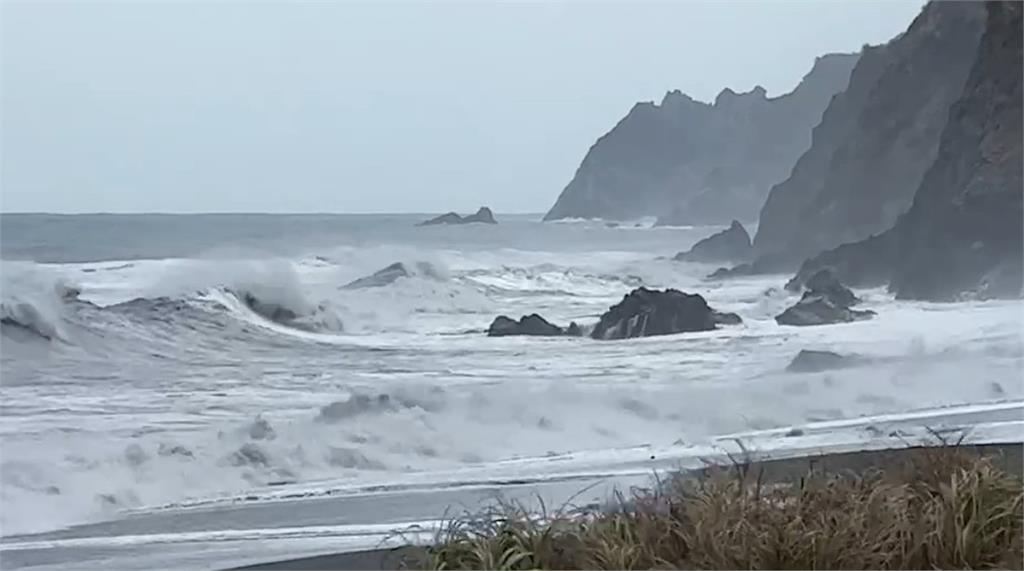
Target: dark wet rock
[
  {"x": 825, "y": 301},
  {"x": 824, "y": 282},
  {"x": 260, "y": 429},
  {"x": 645, "y": 312},
  {"x": 819, "y": 310},
  {"x": 808, "y": 361},
  {"x": 484, "y": 215},
  {"x": 174, "y": 450},
  {"x": 532, "y": 324},
  {"x": 725, "y": 318},
  {"x": 731, "y": 244},
  {"x": 689, "y": 162},
  {"x": 249, "y": 455}
]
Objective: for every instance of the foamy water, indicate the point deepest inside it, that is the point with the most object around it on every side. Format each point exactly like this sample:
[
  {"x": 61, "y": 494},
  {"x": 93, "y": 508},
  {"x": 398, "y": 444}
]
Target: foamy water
[{"x": 162, "y": 383}]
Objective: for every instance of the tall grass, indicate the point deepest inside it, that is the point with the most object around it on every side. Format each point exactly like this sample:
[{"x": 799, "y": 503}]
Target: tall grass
[{"x": 936, "y": 509}]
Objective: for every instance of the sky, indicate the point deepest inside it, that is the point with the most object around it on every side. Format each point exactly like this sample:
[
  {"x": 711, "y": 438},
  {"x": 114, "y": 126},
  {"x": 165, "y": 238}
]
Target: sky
[{"x": 367, "y": 107}]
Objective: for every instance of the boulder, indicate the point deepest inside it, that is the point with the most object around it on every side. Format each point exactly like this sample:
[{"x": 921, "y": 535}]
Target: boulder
[
  {"x": 824, "y": 282},
  {"x": 483, "y": 215},
  {"x": 807, "y": 361},
  {"x": 825, "y": 301},
  {"x": 818, "y": 310},
  {"x": 645, "y": 312},
  {"x": 731, "y": 244},
  {"x": 725, "y": 318},
  {"x": 532, "y": 324}
]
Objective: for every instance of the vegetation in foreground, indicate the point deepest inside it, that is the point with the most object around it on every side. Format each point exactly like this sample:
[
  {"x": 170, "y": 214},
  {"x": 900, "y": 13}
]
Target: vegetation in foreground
[{"x": 943, "y": 508}]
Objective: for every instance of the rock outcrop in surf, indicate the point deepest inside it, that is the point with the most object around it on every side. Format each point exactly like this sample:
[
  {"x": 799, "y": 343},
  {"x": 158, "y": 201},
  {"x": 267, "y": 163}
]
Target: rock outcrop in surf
[
  {"x": 483, "y": 215},
  {"x": 533, "y": 325},
  {"x": 729, "y": 245},
  {"x": 688, "y": 162},
  {"x": 809, "y": 361},
  {"x": 825, "y": 301},
  {"x": 645, "y": 312}
]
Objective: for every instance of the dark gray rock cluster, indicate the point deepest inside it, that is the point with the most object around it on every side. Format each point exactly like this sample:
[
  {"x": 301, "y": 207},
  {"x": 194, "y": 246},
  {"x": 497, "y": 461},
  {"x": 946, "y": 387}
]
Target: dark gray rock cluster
[
  {"x": 532, "y": 324},
  {"x": 826, "y": 301},
  {"x": 645, "y": 313},
  {"x": 483, "y": 215},
  {"x": 641, "y": 313}
]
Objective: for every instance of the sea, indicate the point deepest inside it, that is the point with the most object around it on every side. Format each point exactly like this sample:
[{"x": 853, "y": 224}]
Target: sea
[{"x": 158, "y": 363}]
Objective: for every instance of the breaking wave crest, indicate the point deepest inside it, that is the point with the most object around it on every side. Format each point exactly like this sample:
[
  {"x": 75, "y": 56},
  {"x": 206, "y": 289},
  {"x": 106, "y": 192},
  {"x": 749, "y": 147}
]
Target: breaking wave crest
[{"x": 34, "y": 301}]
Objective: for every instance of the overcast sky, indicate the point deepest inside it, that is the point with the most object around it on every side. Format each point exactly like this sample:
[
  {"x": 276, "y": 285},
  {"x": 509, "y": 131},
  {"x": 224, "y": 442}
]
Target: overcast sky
[{"x": 340, "y": 107}]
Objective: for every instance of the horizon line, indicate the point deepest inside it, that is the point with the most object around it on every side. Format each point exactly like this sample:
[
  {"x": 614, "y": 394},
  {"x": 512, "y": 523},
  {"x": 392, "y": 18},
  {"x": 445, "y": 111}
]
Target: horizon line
[{"x": 242, "y": 212}]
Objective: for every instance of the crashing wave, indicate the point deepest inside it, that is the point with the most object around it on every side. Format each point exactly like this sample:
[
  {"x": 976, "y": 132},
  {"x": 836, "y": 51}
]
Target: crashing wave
[
  {"x": 302, "y": 316},
  {"x": 359, "y": 404},
  {"x": 395, "y": 271},
  {"x": 34, "y": 300}
]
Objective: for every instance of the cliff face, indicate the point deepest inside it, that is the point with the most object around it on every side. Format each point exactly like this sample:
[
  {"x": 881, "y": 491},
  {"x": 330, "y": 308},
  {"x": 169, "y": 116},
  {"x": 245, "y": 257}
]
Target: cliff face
[
  {"x": 964, "y": 231},
  {"x": 875, "y": 140},
  {"x": 687, "y": 161}
]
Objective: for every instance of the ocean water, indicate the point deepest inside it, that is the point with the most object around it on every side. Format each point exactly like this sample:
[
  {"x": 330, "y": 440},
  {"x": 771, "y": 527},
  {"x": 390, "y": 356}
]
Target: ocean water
[{"x": 153, "y": 360}]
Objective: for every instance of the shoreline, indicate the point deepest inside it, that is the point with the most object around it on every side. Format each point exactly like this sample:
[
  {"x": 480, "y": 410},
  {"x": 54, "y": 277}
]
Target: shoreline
[{"x": 1008, "y": 456}]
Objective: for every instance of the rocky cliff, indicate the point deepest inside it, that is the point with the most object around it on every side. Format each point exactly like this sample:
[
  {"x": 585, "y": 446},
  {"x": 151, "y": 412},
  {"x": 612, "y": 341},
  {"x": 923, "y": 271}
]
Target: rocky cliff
[
  {"x": 685, "y": 161},
  {"x": 875, "y": 140},
  {"x": 963, "y": 234}
]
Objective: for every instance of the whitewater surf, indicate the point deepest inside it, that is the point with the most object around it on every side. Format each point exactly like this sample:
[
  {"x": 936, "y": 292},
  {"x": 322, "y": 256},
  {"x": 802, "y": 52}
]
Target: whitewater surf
[{"x": 219, "y": 368}]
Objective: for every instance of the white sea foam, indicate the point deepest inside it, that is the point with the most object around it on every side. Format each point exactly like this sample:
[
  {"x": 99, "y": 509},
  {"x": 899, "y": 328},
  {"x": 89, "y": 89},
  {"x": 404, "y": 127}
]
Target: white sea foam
[{"x": 204, "y": 398}]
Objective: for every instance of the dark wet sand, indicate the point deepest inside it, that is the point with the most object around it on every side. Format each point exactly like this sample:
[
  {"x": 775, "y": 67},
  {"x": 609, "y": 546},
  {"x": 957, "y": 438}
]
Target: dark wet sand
[{"x": 1009, "y": 457}]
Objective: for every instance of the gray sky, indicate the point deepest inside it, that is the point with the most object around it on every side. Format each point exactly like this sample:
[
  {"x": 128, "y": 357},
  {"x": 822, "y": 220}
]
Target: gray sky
[{"x": 340, "y": 107}]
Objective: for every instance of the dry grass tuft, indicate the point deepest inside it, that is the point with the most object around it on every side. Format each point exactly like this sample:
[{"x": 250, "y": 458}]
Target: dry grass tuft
[{"x": 937, "y": 509}]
